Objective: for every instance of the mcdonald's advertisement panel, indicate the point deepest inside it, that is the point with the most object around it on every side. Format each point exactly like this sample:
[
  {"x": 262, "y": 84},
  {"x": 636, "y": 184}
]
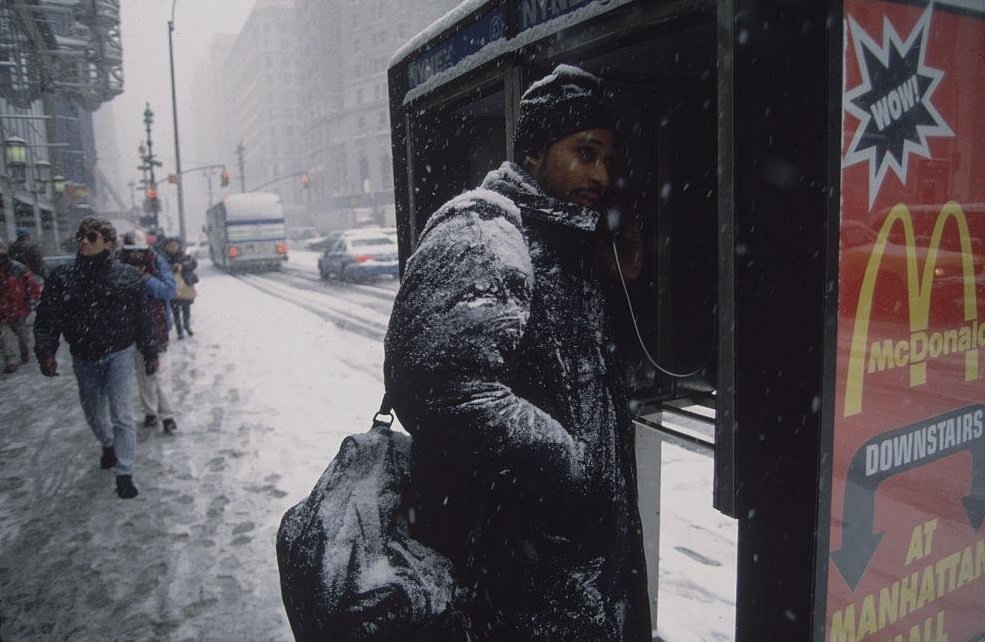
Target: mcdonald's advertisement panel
[{"x": 905, "y": 554}]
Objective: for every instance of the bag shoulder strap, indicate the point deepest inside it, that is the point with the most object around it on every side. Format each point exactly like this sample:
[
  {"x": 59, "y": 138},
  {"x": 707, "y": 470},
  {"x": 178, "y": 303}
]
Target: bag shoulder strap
[{"x": 384, "y": 416}]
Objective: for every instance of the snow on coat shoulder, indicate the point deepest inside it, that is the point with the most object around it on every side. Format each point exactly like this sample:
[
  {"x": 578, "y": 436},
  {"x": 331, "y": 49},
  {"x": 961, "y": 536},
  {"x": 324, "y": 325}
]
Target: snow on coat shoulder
[{"x": 349, "y": 569}]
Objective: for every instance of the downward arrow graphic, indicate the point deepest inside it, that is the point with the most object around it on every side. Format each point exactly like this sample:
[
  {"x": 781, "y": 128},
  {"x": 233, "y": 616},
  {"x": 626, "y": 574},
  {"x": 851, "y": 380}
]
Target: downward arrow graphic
[
  {"x": 974, "y": 503},
  {"x": 869, "y": 468}
]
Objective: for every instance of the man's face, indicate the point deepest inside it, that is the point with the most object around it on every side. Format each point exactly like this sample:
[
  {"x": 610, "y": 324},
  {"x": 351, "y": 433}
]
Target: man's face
[
  {"x": 171, "y": 247},
  {"x": 576, "y": 168},
  {"x": 91, "y": 243}
]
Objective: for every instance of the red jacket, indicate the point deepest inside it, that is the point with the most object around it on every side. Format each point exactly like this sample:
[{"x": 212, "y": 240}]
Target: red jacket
[{"x": 19, "y": 290}]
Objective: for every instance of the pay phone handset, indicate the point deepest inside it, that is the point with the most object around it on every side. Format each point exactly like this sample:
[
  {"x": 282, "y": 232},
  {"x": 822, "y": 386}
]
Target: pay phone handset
[{"x": 617, "y": 227}]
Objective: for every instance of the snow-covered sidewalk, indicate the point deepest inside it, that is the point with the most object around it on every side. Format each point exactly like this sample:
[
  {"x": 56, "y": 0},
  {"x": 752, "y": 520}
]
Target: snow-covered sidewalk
[{"x": 266, "y": 392}]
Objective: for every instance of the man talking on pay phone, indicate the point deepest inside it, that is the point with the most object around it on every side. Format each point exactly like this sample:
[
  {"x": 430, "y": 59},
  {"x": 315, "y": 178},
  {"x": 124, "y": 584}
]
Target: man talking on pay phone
[{"x": 500, "y": 363}]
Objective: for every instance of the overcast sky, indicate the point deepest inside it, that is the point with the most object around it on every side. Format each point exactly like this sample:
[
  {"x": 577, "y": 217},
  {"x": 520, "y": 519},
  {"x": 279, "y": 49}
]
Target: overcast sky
[{"x": 146, "y": 77}]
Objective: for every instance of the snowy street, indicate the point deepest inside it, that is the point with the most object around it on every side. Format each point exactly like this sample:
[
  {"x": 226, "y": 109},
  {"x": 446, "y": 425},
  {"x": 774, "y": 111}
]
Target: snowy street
[{"x": 282, "y": 366}]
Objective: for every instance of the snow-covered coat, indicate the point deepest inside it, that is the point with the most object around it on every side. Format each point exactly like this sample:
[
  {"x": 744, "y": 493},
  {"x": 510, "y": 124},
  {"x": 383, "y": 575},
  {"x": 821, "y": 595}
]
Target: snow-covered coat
[
  {"x": 100, "y": 305},
  {"x": 500, "y": 364}
]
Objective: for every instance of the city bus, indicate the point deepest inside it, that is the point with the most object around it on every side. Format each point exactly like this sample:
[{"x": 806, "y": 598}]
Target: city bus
[
  {"x": 807, "y": 177},
  {"x": 247, "y": 231}
]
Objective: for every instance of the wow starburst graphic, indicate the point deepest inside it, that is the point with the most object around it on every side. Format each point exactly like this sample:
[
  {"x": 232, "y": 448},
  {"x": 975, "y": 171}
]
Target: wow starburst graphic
[{"x": 894, "y": 102}]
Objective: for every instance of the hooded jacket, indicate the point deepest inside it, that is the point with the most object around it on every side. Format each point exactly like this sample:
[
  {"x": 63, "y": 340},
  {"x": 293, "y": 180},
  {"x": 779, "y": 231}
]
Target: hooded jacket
[
  {"x": 100, "y": 305},
  {"x": 500, "y": 364}
]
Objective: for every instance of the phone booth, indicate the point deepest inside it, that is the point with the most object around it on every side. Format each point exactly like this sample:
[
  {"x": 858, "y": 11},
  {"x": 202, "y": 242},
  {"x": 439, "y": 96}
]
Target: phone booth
[{"x": 809, "y": 182}]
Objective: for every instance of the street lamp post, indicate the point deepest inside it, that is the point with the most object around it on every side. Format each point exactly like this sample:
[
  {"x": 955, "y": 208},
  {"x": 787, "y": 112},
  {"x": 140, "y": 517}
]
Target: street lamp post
[
  {"x": 177, "y": 145},
  {"x": 14, "y": 161},
  {"x": 41, "y": 170},
  {"x": 149, "y": 163}
]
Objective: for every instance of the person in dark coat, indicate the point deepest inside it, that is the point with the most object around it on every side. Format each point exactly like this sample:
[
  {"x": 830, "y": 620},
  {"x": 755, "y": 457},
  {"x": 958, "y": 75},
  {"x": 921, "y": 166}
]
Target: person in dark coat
[
  {"x": 181, "y": 304},
  {"x": 100, "y": 306},
  {"x": 19, "y": 293},
  {"x": 26, "y": 251},
  {"x": 500, "y": 363}
]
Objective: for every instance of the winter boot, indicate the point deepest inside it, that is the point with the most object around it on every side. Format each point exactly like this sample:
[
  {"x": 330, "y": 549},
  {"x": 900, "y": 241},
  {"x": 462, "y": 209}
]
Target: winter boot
[
  {"x": 108, "y": 460},
  {"x": 125, "y": 488},
  {"x": 10, "y": 368},
  {"x": 150, "y": 421},
  {"x": 170, "y": 426},
  {"x": 189, "y": 331}
]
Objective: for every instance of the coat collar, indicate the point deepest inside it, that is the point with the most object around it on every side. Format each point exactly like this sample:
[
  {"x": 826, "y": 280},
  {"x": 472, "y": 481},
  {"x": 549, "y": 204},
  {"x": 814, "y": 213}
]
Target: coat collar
[
  {"x": 515, "y": 183},
  {"x": 92, "y": 264}
]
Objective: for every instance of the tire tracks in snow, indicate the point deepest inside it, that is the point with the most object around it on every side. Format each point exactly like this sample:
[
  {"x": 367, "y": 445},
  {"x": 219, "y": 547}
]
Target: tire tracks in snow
[
  {"x": 368, "y": 323},
  {"x": 378, "y": 291},
  {"x": 379, "y": 300}
]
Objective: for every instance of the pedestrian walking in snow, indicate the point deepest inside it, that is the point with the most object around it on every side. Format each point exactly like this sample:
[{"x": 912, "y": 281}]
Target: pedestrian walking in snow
[
  {"x": 100, "y": 306},
  {"x": 26, "y": 251},
  {"x": 183, "y": 266},
  {"x": 19, "y": 293},
  {"x": 154, "y": 390},
  {"x": 499, "y": 362}
]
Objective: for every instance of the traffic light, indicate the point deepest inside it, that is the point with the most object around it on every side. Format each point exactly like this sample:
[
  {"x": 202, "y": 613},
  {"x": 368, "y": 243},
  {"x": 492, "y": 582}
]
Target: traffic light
[
  {"x": 224, "y": 178},
  {"x": 305, "y": 181},
  {"x": 152, "y": 204}
]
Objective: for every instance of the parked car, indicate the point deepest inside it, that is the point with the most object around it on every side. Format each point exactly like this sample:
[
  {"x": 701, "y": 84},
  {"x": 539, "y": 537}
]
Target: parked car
[
  {"x": 359, "y": 254},
  {"x": 322, "y": 243}
]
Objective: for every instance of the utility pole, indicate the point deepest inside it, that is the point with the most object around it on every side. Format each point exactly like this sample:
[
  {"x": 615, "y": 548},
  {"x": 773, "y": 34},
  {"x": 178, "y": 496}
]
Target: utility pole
[
  {"x": 240, "y": 151},
  {"x": 177, "y": 146}
]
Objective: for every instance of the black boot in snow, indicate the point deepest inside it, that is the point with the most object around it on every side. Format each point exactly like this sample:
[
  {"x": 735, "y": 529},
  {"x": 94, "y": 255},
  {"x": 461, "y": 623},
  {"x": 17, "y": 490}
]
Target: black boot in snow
[
  {"x": 189, "y": 331},
  {"x": 108, "y": 460},
  {"x": 125, "y": 488},
  {"x": 150, "y": 421},
  {"x": 170, "y": 426}
]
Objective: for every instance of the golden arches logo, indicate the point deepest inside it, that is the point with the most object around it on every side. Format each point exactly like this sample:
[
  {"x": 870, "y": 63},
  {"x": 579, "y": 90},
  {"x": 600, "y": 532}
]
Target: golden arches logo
[{"x": 918, "y": 285}]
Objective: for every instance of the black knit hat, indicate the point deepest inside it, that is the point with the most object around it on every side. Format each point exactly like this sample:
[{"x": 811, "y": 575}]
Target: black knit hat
[{"x": 566, "y": 101}]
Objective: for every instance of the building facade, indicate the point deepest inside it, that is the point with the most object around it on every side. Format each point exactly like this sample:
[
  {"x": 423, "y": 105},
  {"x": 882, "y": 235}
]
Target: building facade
[
  {"x": 344, "y": 110},
  {"x": 58, "y": 63},
  {"x": 259, "y": 104}
]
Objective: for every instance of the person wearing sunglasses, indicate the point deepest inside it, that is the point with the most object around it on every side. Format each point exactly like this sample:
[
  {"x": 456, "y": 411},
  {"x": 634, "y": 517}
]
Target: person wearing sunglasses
[{"x": 101, "y": 308}]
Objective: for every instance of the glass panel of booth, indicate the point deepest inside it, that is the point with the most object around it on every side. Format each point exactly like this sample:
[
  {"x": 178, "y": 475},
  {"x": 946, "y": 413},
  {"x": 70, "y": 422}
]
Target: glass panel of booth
[{"x": 453, "y": 146}]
